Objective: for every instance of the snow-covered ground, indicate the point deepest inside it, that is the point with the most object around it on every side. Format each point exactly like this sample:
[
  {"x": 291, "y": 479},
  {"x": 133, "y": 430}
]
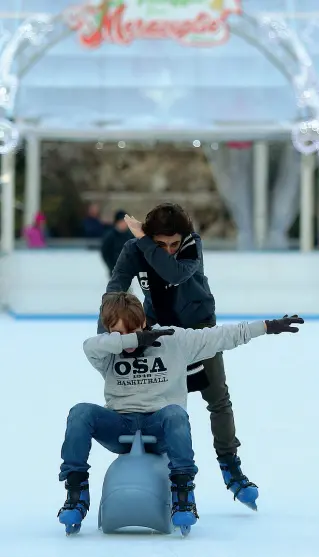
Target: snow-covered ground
[{"x": 274, "y": 388}]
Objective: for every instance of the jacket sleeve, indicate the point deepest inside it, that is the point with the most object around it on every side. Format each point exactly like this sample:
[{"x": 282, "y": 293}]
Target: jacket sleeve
[
  {"x": 201, "y": 344},
  {"x": 99, "y": 349},
  {"x": 167, "y": 266},
  {"x": 121, "y": 279},
  {"x": 123, "y": 272},
  {"x": 106, "y": 249}
]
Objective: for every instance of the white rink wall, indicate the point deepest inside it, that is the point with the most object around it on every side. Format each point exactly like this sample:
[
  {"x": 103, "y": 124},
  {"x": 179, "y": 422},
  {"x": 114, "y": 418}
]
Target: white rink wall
[{"x": 70, "y": 283}]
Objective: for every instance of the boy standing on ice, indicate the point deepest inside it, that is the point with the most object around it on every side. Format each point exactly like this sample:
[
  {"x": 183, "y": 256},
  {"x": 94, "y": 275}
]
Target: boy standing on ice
[
  {"x": 145, "y": 371},
  {"x": 166, "y": 256}
]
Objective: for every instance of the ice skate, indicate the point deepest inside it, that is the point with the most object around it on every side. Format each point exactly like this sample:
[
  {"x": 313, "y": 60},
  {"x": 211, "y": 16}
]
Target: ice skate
[
  {"x": 77, "y": 503},
  {"x": 184, "y": 512},
  {"x": 244, "y": 491}
]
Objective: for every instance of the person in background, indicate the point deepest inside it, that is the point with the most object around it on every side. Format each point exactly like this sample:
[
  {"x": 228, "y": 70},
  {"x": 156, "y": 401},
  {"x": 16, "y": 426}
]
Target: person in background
[
  {"x": 35, "y": 235},
  {"x": 114, "y": 240},
  {"x": 92, "y": 225}
]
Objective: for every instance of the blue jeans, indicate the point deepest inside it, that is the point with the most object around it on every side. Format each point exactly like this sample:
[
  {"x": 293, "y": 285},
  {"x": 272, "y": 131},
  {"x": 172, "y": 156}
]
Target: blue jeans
[{"x": 89, "y": 421}]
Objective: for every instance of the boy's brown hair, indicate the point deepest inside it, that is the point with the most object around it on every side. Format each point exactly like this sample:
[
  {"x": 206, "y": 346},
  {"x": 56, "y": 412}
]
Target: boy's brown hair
[
  {"x": 121, "y": 305},
  {"x": 167, "y": 219}
]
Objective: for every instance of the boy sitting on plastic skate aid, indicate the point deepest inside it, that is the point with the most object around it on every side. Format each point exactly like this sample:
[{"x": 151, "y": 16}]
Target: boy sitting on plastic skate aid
[{"x": 145, "y": 372}]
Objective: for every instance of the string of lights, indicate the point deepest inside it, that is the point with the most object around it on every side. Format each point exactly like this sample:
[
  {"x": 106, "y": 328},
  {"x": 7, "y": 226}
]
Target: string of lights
[{"x": 33, "y": 30}]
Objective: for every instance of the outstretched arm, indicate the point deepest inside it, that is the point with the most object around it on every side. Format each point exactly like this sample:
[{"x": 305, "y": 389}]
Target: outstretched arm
[{"x": 201, "y": 344}]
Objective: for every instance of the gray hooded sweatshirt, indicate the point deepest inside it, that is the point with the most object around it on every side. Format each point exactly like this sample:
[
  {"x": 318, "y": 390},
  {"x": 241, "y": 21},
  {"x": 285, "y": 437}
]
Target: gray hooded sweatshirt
[{"x": 157, "y": 378}]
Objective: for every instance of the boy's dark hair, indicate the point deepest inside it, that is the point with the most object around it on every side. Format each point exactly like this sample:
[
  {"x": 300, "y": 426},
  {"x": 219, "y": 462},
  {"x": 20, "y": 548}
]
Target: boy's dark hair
[
  {"x": 121, "y": 305},
  {"x": 167, "y": 219}
]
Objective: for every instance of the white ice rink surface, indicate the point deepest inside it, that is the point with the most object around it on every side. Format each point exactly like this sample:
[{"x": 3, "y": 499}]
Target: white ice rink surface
[{"x": 274, "y": 388}]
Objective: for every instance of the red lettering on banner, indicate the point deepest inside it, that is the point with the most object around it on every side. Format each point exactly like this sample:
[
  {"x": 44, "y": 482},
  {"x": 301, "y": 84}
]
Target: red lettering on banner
[{"x": 114, "y": 28}]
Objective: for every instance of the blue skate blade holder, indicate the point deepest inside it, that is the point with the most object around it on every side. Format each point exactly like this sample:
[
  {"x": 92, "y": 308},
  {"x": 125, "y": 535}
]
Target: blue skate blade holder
[{"x": 136, "y": 489}]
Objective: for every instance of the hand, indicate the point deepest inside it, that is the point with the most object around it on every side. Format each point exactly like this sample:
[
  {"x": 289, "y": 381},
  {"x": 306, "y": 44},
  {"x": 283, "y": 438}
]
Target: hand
[
  {"x": 277, "y": 326},
  {"x": 135, "y": 226},
  {"x": 149, "y": 337}
]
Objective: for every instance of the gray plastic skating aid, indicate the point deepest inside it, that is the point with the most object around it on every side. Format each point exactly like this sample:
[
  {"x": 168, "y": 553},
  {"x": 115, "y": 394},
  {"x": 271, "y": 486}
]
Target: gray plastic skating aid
[{"x": 136, "y": 489}]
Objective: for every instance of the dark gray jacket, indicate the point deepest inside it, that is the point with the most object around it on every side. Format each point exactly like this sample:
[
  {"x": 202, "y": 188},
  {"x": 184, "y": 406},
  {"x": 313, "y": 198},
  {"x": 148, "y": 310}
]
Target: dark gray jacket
[
  {"x": 194, "y": 302},
  {"x": 112, "y": 245}
]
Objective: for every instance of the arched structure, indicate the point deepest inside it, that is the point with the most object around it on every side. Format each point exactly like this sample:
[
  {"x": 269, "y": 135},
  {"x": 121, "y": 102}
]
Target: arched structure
[{"x": 273, "y": 38}]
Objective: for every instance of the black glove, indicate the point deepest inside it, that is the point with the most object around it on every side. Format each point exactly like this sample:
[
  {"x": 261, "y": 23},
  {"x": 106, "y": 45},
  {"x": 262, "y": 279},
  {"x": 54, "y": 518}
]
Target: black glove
[
  {"x": 277, "y": 326},
  {"x": 148, "y": 337}
]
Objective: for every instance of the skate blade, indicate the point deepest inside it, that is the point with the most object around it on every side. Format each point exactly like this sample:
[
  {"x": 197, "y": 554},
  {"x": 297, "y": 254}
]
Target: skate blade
[
  {"x": 185, "y": 530},
  {"x": 251, "y": 506},
  {"x": 72, "y": 529}
]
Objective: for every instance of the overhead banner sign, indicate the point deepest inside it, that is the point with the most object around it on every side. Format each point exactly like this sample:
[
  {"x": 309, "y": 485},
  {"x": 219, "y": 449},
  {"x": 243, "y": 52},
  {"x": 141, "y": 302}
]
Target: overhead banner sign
[{"x": 201, "y": 23}]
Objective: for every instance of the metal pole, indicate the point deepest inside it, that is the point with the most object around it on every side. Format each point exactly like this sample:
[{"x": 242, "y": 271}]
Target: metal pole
[
  {"x": 260, "y": 197},
  {"x": 307, "y": 199},
  {"x": 317, "y": 203},
  {"x": 7, "y": 202},
  {"x": 32, "y": 193},
  {"x": 291, "y": 9}
]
